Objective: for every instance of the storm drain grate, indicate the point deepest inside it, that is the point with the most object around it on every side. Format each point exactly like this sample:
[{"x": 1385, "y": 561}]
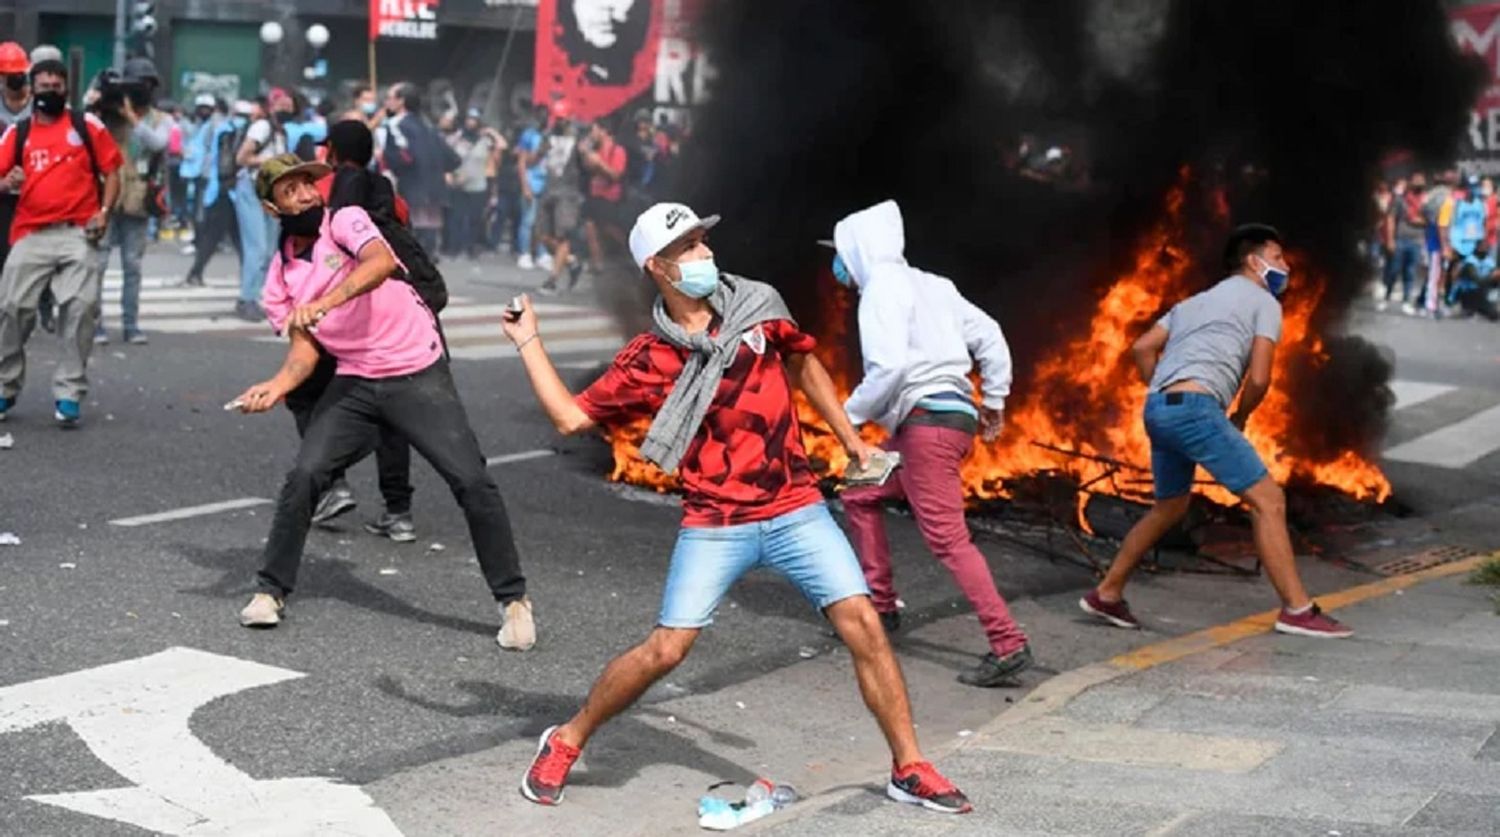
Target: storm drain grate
[{"x": 1435, "y": 557}]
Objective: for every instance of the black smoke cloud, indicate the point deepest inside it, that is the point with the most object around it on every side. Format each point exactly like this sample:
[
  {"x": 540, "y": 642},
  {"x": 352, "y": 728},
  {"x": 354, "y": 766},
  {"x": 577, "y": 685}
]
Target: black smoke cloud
[{"x": 1285, "y": 107}]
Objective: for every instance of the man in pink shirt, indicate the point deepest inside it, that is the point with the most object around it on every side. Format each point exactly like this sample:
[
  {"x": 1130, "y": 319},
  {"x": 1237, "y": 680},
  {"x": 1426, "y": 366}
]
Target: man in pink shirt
[{"x": 327, "y": 286}]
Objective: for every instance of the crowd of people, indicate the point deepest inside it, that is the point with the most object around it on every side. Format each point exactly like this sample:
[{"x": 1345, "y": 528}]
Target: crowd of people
[
  {"x": 340, "y": 220},
  {"x": 1435, "y": 240}
]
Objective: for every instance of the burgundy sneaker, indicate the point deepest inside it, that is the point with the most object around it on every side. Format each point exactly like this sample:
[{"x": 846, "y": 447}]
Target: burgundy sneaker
[
  {"x": 921, "y": 784},
  {"x": 1115, "y": 613},
  {"x": 544, "y": 780},
  {"x": 1312, "y": 622}
]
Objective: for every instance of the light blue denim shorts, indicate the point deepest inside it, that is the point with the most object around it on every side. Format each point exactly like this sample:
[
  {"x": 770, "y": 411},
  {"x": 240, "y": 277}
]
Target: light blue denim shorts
[{"x": 805, "y": 546}]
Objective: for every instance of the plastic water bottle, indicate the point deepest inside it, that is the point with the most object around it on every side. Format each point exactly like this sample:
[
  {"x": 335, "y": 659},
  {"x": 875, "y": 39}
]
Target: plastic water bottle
[{"x": 779, "y": 796}]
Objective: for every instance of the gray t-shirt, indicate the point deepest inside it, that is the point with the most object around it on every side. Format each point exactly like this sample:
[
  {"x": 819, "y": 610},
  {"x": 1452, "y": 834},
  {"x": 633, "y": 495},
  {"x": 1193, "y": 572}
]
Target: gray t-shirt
[{"x": 1210, "y": 334}]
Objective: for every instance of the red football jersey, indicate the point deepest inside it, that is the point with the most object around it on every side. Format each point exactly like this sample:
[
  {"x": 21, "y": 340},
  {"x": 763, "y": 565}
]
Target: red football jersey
[
  {"x": 60, "y": 187},
  {"x": 747, "y": 463}
]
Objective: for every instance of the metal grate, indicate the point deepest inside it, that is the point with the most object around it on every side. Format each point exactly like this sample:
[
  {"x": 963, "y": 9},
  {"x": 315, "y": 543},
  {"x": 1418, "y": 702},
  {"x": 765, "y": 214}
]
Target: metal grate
[{"x": 1434, "y": 557}]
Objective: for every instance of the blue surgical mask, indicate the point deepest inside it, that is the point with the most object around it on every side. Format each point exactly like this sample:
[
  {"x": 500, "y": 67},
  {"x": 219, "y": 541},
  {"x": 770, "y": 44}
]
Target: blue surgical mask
[
  {"x": 841, "y": 272},
  {"x": 369, "y": 108},
  {"x": 1275, "y": 278},
  {"x": 699, "y": 279}
]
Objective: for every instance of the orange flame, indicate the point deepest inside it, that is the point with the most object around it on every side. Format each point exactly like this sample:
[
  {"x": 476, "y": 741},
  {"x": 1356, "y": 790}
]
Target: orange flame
[{"x": 1087, "y": 398}]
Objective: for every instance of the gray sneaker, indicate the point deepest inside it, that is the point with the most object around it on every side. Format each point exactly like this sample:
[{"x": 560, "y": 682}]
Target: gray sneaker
[
  {"x": 397, "y": 527},
  {"x": 337, "y": 500}
]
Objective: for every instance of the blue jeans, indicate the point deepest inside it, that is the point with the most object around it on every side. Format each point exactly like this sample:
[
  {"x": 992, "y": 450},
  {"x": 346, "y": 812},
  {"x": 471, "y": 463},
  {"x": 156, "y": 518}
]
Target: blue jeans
[
  {"x": 129, "y": 235},
  {"x": 1408, "y": 258},
  {"x": 805, "y": 546},
  {"x": 1188, "y": 429},
  {"x": 528, "y": 221},
  {"x": 258, "y": 233}
]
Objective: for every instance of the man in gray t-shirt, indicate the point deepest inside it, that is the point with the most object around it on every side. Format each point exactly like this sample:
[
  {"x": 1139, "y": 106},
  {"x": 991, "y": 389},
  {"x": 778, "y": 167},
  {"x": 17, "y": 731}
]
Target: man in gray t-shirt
[
  {"x": 1207, "y": 348},
  {"x": 1210, "y": 335}
]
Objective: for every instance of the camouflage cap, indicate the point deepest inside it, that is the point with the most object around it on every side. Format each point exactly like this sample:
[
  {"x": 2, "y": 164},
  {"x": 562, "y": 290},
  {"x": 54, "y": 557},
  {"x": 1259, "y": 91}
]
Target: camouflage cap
[{"x": 283, "y": 165}]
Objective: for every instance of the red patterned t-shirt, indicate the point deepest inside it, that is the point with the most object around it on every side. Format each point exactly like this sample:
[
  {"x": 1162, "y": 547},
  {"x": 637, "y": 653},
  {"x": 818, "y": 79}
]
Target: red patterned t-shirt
[{"x": 747, "y": 463}]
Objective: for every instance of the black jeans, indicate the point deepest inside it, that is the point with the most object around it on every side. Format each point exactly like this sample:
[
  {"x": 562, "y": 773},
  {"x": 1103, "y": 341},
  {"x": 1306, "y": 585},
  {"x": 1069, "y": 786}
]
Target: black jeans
[
  {"x": 426, "y": 409},
  {"x": 392, "y": 451},
  {"x": 218, "y": 221},
  {"x": 465, "y": 221}
]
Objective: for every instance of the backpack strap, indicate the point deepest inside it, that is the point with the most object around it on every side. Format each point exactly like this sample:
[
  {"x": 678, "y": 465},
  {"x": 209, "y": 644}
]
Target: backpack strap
[
  {"x": 23, "y": 129},
  {"x": 81, "y": 126}
]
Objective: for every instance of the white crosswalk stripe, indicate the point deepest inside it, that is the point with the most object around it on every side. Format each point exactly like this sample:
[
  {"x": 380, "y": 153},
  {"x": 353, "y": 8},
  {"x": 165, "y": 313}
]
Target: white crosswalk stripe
[
  {"x": 1453, "y": 436},
  {"x": 577, "y": 334}
]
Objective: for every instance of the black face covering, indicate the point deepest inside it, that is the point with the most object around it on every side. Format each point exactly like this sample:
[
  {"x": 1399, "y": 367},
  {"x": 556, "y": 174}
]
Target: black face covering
[
  {"x": 49, "y": 103},
  {"x": 16, "y": 82},
  {"x": 140, "y": 98},
  {"x": 306, "y": 223}
]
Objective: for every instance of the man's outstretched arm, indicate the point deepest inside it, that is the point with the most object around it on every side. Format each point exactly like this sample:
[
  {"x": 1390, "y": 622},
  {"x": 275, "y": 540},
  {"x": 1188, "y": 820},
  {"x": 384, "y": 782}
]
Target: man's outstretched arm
[
  {"x": 301, "y": 359},
  {"x": 556, "y": 400},
  {"x": 809, "y": 375}
]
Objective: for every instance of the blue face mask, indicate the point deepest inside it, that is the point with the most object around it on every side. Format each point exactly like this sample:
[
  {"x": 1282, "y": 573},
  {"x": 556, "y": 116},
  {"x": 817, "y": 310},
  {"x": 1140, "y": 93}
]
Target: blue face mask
[
  {"x": 699, "y": 279},
  {"x": 1275, "y": 278},
  {"x": 841, "y": 272}
]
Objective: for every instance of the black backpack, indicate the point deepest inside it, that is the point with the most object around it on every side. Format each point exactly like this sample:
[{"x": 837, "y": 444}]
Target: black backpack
[
  {"x": 80, "y": 127},
  {"x": 373, "y": 193},
  {"x": 229, "y": 149}
]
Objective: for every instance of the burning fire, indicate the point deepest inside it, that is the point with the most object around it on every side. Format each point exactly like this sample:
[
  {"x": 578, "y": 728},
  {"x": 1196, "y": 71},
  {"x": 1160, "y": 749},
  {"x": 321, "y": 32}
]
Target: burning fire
[{"x": 1080, "y": 415}]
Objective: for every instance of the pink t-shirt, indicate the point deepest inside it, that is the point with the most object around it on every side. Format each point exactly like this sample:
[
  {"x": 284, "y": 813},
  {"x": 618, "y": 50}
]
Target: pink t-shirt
[{"x": 385, "y": 333}]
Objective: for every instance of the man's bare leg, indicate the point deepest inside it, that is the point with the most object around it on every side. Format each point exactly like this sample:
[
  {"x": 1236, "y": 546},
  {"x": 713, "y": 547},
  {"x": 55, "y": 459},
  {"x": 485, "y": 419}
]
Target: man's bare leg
[
  {"x": 596, "y": 253},
  {"x": 1267, "y": 504},
  {"x": 626, "y": 678},
  {"x": 880, "y": 680},
  {"x": 1142, "y": 536}
]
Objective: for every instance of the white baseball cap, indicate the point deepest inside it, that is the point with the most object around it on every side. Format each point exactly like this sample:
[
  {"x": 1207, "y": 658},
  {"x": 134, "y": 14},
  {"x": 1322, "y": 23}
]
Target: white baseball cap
[
  {"x": 204, "y": 100},
  {"x": 661, "y": 225}
]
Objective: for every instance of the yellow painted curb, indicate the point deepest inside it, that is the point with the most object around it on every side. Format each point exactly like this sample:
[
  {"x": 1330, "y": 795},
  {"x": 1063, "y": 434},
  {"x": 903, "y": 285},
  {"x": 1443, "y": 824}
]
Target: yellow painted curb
[{"x": 1260, "y": 623}]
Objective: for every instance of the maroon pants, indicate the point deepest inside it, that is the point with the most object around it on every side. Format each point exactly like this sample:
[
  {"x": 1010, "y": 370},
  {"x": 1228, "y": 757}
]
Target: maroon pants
[{"x": 929, "y": 480}]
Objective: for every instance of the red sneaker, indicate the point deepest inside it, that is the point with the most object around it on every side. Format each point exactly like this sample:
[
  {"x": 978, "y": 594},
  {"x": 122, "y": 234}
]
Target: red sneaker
[
  {"x": 1115, "y": 613},
  {"x": 921, "y": 784},
  {"x": 544, "y": 780},
  {"x": 1312, "y": 622}
]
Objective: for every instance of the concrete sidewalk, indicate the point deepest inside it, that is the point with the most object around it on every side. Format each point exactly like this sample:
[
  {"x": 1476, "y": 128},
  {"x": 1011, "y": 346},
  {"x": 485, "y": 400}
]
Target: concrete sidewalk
[{"x": 1393, "y": 732}]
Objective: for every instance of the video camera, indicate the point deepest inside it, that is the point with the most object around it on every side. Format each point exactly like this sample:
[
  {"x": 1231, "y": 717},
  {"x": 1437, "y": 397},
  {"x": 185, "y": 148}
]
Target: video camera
[{"x": 114, "y": 90}]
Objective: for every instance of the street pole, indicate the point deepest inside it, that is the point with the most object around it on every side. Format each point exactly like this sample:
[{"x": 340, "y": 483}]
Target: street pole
[
  {"x": 492, "y": 103},
  {"x": 122, "y": 18}
]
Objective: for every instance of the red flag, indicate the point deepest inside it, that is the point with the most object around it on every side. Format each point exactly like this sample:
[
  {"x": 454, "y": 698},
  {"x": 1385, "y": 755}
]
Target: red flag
[{"x": 595, "y": 55}]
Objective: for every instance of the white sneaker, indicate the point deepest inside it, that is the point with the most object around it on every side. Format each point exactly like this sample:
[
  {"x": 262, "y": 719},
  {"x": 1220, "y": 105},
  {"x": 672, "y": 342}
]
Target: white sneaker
[
  {"x": 264, "y": 611},
  {"x": 1408, "y": 309},
  {"x": 517, "y": 629},
  {"x": 544, "y": 262},
  {"x": 526, "y": 263},
  {"x": 1382, "y": 305}
]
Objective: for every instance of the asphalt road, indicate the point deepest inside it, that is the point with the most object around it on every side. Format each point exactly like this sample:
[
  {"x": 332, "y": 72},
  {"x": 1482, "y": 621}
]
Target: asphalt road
[{"x": 387, "y": 666}]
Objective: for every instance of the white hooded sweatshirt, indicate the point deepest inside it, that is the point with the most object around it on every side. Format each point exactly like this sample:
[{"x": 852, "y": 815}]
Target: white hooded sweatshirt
[{"x": 919, "y": 336}]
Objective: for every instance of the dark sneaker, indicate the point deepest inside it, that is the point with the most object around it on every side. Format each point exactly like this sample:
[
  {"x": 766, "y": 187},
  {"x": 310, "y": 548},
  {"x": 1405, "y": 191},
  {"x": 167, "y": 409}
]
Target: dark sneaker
[
  {"x": 1312, "y": 622},
  {"x": 337, "y": 500},
  {"x": 1115, "y": 613},
  {"x": 548, "y": 288},
  {"x": 921, "y": 784},
  {"x": 68, "y": 413},
  {"x": 995, "y": 670},
  {"x": 397, "y": 527},
  {"x": 136, "y": 337},
  {"x": 544, "y": 780},
  {"x": 575, "y": 271},
  {"x": 891, "y": 621},
  {"x": 249, "y": 312},
  {"x": 47, "y": 317},
  {"x": 101, "y": 336}
]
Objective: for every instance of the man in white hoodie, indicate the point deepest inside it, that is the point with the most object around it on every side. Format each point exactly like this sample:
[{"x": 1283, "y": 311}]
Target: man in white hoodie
[{"x": 920, "y": 339}]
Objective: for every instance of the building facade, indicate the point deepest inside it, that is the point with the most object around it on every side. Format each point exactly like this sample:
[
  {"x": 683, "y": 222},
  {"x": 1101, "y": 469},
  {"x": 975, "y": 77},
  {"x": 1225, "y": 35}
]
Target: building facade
[{"x": 215, "y": 45}]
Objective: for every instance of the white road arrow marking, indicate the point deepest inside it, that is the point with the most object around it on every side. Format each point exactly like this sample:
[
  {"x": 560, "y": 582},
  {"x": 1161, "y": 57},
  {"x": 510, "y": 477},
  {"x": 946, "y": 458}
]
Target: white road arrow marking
[{"x": 134, "y": 716}]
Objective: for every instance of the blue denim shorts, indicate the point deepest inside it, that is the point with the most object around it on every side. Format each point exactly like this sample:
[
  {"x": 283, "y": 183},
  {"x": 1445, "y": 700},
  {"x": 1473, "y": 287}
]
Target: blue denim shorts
[
  {"x": 806, "y": 546},
  {"x": 1188, "y": 429}
]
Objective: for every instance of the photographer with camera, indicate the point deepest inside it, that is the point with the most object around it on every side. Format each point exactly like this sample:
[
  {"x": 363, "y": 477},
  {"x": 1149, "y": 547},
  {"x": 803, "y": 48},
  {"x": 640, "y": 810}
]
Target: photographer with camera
[
  {"x": 56, "y": 160},
  {"x": 123, "y": 102}
]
